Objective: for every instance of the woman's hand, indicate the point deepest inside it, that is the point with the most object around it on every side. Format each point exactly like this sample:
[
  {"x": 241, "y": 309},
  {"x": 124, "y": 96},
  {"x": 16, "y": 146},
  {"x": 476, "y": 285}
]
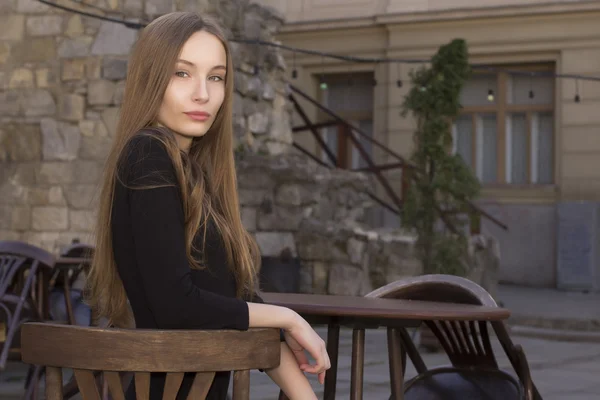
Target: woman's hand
[{"x": 301, "y": 337}]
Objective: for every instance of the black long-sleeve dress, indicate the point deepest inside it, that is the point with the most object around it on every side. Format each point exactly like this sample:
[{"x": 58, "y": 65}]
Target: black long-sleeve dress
[{"x": 149, "y": 250}]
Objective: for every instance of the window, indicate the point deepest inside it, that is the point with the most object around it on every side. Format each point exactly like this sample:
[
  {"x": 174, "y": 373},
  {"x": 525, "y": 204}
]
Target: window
[
  {"x": 508, "y": 137},
  {"x": 351, "y": 97}
]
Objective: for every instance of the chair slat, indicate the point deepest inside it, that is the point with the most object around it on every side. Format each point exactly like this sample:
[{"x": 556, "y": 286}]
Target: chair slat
[
  {"x": 470, "y": 336},
  {"x": 201, "y": 385},
  {"x": 114, "y": 385},
  {"x": 172, "y": 385},
  {"x": 142, "y": 385},
  {"x": 241, "y": 385},
  {"x": 87, "y": 384}
]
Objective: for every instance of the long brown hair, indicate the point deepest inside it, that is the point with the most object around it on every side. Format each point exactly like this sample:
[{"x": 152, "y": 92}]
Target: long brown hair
[{"x": 208, "y": 168}]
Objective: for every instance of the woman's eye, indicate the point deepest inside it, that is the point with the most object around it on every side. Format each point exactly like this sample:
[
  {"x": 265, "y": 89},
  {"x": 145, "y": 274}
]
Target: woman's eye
[
  {"x": 181, "y": 74},
  {"x": 216, "y": 78}
]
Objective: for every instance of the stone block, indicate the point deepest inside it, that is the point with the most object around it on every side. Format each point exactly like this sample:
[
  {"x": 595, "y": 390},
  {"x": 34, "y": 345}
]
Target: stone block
[
  {"x": 110, "y": 117},
  {"x": 44, "y": 78},
  {"x": 295, "y": 194},
  {"x": 320, "y": 277},
  {"x": 9, "y": 103},
  {"x": 94, "y": 67},
  {"x": 45, "y": 240},
  {"x": 13, "y": 27},
  {"x": 95, "y": 147},
  {"x": 81, "y": 220},
  {"x": 21, "y": 218},
  {"x": 272, "y": 243},
  {"x": 249, "y": 218},
  {"x": 119, "y": 92},
  {"x": 158, "y": 7},
  {"x": 87, "y": 128},
  {"x": 356, "y": 249},
  {"x": 87, "y": 171},
  {"x": 73, "y": 69},
  {"x": 21, "y": 78},
  {"x": 72, "y": 107},
  {"x": 7, "y": 6},
  {"x": 60, "y": 140},
  {"x": 258, "y": 123},
  {"x": 55, "y": 173},
  {"x": 74, "y": 27},
  {"x": 46, "y": 196},
  {"x": 101, "y": 92},
  {"x": 35, "y": 50},
  {"x": 5, "y": 217},
  {"x": 39, "y": 103},
  {"x": 20, "y": 142},
  {"x": 249, "y": 197},
  {"x": 279, "y": 218},
  {"x": 80, "y": 196},
  {"x": 114, "y": 68},
  {"x": 46, "y": 25},
  {"x": 4, "y": 52},
  {"x": 10, "y": 235},
  {"x": 3, "y": 80},
  {"x": 49, "y": 218},
  {"x": 135, "y": 6},
  {"x": 75, "y": 47},
  {"x": 32, "y": 7},
  {"x": 345, "y": 280},
  {"x": 114, "y": 39}
]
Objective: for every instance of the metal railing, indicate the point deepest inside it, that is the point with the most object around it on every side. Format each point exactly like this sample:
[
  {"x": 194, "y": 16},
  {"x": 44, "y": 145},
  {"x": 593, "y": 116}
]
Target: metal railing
[{"x": 353, "y": 133}]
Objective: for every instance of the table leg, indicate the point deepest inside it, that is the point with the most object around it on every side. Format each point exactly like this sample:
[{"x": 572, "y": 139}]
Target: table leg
[
  {"x": 358, "y": 363},
  {"x": 333, "y": 343},
  {"x": 395, "y": 358}
]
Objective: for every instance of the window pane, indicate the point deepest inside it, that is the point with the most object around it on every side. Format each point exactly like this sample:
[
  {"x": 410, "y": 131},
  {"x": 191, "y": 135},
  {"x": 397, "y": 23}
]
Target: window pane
[
  {"x": 349, "y": 92},
  {"x": 463, "y": 136},
  {"x": 357, "y": 160},
  {"x": 486, "y": 148},
  {"x": 545, "y": 153},
  {"x": 520, "y": 85},
  {"x": 516, "y": 125},
  {"x": 330, "y": 136},
  {"x": 475, "y": 91}
]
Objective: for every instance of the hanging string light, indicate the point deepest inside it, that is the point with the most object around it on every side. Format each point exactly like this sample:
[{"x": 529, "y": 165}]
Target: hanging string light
[
  {"x": 294, "y": 70},
  {"x": 490, "y": 95},
  {"x": 399, "y": 72},
  {"x": 323, "y": 83},
  {"x": 531, "y": 94},
  {"x": 577, "y": 98}
]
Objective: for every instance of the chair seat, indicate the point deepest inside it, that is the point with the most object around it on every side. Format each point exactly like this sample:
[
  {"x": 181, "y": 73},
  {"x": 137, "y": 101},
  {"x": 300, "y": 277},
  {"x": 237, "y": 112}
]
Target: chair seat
[{"x": 450, "y": 383}]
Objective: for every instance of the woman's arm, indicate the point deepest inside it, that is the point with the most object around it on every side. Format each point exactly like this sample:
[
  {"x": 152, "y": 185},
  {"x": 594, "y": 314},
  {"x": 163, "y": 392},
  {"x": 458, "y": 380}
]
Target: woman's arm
[
  {"x": 301, "y": 335},
  {"x": 290, "y": 378}
]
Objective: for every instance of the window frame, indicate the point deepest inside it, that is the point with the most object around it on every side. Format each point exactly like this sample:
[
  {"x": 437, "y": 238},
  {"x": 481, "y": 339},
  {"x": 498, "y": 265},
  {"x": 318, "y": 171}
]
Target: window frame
[{"x": 501, "y": 108}]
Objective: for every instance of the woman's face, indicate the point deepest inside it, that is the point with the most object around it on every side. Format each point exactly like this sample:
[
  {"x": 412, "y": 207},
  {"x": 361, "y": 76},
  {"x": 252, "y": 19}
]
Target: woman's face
[{"x": 197, "y": 88}]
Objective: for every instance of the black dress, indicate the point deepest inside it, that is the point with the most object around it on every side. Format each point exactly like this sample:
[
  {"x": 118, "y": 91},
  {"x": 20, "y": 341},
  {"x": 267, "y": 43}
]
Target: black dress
[{"x": 149, "y": 250}]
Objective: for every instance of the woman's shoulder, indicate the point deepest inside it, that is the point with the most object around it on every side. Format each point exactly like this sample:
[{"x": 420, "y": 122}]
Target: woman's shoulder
[{"x": 145, "y": 155}]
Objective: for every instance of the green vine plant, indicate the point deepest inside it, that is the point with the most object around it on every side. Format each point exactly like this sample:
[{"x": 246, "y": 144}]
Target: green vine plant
[{"x": 436, "y": 203}]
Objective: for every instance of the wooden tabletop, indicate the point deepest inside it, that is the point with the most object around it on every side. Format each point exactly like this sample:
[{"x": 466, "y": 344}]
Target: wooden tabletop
[
  {"x": 376, "y": 308},
  {"x": 73, "y": 260}
]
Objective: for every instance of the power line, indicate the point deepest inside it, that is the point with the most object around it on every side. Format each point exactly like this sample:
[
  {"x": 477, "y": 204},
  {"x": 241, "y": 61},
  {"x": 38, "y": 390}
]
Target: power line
[{"x": 340, "y": 57}]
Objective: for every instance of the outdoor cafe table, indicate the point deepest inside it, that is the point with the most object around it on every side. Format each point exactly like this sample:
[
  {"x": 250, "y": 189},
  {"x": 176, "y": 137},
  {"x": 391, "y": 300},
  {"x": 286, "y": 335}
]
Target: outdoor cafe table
[{"x": 360, "y": 313}]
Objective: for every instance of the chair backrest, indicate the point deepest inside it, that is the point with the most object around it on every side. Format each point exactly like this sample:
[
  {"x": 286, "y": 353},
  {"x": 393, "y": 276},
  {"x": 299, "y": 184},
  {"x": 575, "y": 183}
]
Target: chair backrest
[
  {"x": 466, "y": 343},
  {"x": 174, "y": 352}
]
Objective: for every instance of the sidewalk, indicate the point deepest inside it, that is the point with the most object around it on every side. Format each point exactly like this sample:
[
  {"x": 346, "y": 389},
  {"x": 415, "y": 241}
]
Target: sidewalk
[{"x": 551, "y": 313}]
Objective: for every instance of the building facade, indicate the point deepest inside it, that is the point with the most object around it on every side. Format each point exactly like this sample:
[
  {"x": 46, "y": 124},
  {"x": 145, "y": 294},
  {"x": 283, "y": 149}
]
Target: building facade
[{"x": 533, "y": 141}]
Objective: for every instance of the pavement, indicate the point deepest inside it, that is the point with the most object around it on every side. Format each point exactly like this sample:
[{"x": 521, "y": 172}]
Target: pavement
[{"x": 559, "y": 332}]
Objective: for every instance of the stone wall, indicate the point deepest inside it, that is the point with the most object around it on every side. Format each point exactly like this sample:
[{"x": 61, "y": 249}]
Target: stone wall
[
  {"x": 61, "y": 83},
  {"x": 290, "y": 202}
]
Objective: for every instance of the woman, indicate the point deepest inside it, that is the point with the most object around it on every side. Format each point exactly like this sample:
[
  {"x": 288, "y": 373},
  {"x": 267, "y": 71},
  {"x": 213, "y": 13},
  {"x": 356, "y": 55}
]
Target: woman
[{"x": 171, "y": 251}]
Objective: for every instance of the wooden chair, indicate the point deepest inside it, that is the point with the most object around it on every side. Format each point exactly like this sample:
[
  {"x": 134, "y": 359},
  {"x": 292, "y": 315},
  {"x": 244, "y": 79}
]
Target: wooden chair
[
  {"x": 474, "y": 373},
  {"x": 174, "y": 352},
  {"x": 24, "y": 275}
]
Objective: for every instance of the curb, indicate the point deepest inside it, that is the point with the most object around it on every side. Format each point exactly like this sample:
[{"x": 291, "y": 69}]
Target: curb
[
  {"x": 562, "y": 335},
  {"x": 591, "y": 326}
]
